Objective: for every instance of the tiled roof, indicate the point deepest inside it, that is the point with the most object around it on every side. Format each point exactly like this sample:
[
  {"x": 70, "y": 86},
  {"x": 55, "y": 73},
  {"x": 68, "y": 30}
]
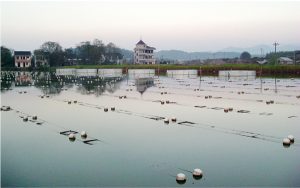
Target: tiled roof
[
  {"x": 140, "y": 43},
  {"x": 152, "y": 48},
  {"x": 22, "y": 53},
  {"x": 285, "y": 59}
]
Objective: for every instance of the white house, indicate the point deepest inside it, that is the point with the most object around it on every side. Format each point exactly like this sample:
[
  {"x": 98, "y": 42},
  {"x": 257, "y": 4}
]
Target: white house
[
  {"x": 262, "y": 62},
  {"x": 22, "y": 59},
  {"x": 285, "y": 61},
  {"x": 143, "y": 54},
  {"x": 41, "y": 60}
]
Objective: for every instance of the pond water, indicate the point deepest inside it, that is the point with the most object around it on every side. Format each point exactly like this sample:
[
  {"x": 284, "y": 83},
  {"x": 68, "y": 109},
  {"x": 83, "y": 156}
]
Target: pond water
[{"x": 231, "y": 129}]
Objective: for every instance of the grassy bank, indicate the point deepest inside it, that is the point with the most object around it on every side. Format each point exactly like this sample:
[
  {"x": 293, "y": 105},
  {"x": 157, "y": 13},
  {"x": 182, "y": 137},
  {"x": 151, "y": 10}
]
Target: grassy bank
[{"x": 265, "y": 70}]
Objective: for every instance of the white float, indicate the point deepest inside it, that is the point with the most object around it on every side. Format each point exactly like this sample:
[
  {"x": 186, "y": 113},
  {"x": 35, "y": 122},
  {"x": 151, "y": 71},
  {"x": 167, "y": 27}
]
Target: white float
[
  {"x": 83, "y": 134},
  {"x": 180, "y": 178},
  {"x": 72, "y": 137},
  {"x": 166, "y": 120},
  {"x": 197, "y": 173},
  {"x": 286, "y": 141},
  {"x": 291, "y": 138}
]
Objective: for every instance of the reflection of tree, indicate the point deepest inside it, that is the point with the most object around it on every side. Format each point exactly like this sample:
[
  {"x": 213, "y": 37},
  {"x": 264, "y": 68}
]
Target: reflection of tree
[
  {"x": 97, "y": 86},
  {"x": 51, "y": 83},
  {"x": 48, "y": 83},
  {"x": 6, "y": 80}
]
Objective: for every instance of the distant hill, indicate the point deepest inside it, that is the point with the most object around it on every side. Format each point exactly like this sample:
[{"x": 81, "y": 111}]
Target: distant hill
[
  {"x": 182, "y": 55},
  {"x": 256, "y": 50},
  {"x": 230, "y": 52}
]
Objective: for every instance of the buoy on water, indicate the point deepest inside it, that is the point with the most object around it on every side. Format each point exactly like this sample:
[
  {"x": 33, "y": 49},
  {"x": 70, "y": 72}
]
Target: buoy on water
[
  {"x": 83, "y": 134},
  {"x": 291, "y": 138},
  {"x": 197, "y": 174},
  {"x": 166, "y": 120},
  {"x": 72, "y": 137},
  {"x": 25, "y": 118},
  {"x": 180, "y": 178},
  {"x": 286, "y": 142}
]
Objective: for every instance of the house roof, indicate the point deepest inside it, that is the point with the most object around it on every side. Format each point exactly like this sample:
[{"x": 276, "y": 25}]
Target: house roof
[
  {"x": 262, "y": 62},
  {"x": 152, "y": 48},
  {"x": 22, "y": 53},
  {"x": 140, "y": 43},
  {"x": 285, "y": 59}
]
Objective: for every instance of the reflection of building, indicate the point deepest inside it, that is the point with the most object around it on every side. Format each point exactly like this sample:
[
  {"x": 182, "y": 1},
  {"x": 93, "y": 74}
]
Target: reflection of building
[
  {"x": 23, "y": 78},
  {"x": 143, "y": 54},
  {"x": 143, "y": 83},
  {"x": 22, "y": 58},
  {"x": 285, "y": 61}
]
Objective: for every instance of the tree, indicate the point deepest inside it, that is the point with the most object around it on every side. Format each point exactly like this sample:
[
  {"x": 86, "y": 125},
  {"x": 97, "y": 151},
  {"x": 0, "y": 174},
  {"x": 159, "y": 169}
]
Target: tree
[
  {"x": 51, "y": 47},
  {"x": 54, "y": 52},
  {"x": 245, "y": 56},
  {"x": 7, "y": 59},
  {"x": 113, "y": 53}
]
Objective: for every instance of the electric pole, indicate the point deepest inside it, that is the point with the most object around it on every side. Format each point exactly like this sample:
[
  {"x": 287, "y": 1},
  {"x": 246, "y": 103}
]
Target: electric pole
[{"x": 275, "y": 45}]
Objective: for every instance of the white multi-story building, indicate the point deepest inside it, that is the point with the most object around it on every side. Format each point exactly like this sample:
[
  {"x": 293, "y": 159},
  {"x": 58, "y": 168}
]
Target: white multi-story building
[
  {"x": 22, "y": 59},
  {"x": 143, "y": 54}
]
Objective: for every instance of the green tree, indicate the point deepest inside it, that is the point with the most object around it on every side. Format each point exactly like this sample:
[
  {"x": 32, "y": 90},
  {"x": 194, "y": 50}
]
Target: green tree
[
  {"x": 245, "y": 56},
  {"x": 54, "y": 52},
  {"x": 7, "y": 59}
]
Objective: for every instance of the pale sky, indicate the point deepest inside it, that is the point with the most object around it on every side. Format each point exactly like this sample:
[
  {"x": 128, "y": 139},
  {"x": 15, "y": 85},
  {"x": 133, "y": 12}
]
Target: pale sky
[{"x": 188, "y": 25}]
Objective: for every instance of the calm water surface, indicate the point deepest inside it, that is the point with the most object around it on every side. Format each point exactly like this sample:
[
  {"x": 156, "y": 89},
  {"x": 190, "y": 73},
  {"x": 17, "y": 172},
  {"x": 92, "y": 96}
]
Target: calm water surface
[{"x": 133, "y": 146}]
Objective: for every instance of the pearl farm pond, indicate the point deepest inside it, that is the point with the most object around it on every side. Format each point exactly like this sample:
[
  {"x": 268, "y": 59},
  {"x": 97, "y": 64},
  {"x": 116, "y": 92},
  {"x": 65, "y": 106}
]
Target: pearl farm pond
[{"x": 89, "y": 127}]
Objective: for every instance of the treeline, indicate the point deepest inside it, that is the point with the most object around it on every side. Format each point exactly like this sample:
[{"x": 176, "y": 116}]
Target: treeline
[
  {"x": 289, "y": 54},
  {"x": 85, "y": 53}
]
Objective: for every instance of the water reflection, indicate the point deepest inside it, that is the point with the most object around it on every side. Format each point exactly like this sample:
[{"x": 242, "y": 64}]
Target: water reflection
[
  {"x": 229, "y": 75},
  {"x": 110, "y": 72},
  {"x": 141, "y": 73},
  {"x": 87, "y": 81},
  {"x": 143, "y": 83},
  {"x": 182, "y": 73},
  {"x": 23, "y": 78}
]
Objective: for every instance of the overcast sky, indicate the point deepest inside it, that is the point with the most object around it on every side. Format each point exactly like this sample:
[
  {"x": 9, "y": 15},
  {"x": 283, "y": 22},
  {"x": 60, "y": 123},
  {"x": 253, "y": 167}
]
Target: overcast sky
[{"x": 185, "y": 25}]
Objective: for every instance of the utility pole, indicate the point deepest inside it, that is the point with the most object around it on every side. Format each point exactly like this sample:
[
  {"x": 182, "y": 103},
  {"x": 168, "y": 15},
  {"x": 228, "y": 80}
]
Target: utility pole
[{"x": 275, "y": 45}]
